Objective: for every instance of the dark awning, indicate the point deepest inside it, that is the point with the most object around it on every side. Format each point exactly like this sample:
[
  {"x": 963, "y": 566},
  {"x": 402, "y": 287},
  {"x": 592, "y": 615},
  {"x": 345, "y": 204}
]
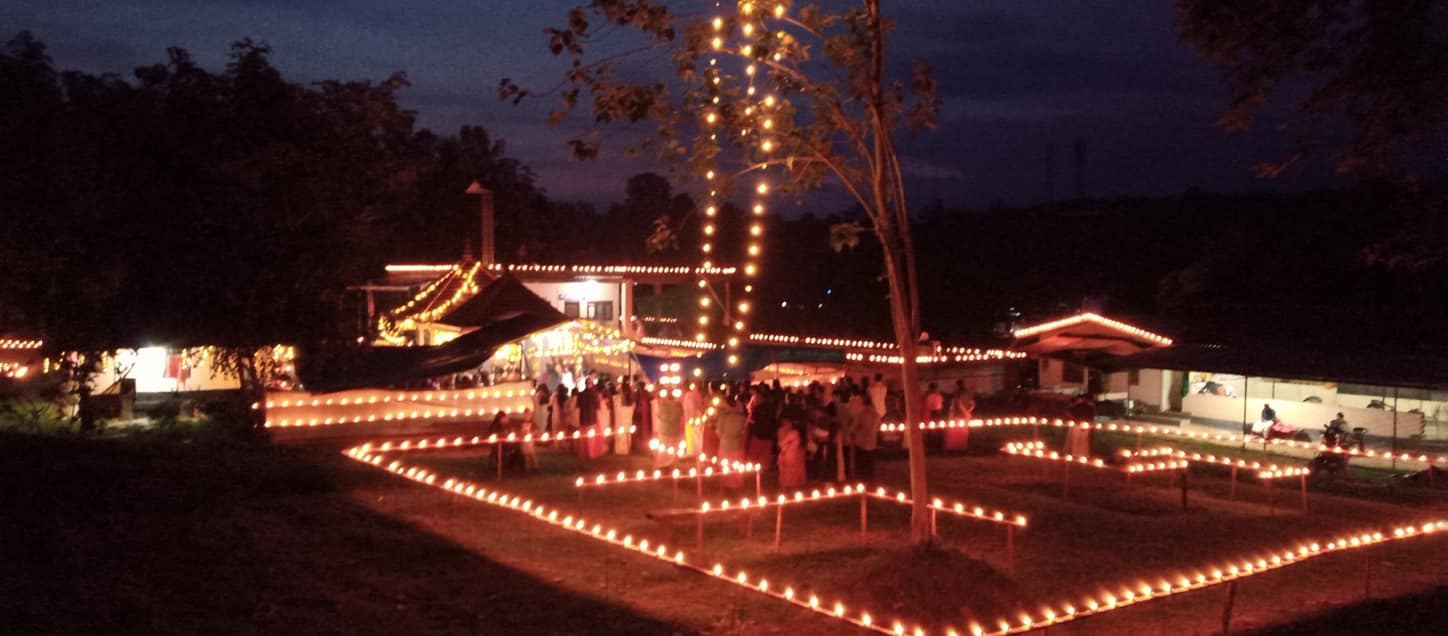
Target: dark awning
[{"x": 502, "y": 312}]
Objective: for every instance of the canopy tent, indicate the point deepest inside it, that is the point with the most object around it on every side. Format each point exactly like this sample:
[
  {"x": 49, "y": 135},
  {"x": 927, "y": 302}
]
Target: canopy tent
[{"x": 501, "y": 312}]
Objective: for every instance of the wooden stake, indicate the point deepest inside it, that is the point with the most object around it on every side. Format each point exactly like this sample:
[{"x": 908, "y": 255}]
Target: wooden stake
[
  {"x": 498, "y": 454},
  {"x": 1227, "y": 610},
  {"x": 1184, "y": 489},
  {"x": 778, "y": 525},
  {"x": 1066, "y": 480},
  {"x": 1303, "y": 480},
  {"x": 1232, "y": 493},
  {"x": 863, "y": 517},
  {"x": 1367, "y": 574},
  {"x": 758, "y": 487},
  {"x": 1011, "y": 550},
  {"x": 1271, "y": 507},
  {"x": 932, "y": 521}
]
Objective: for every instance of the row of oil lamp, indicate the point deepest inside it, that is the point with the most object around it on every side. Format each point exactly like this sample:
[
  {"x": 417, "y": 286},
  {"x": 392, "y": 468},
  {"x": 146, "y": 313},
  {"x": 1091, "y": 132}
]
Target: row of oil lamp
[
  {"x": 1064, "y": 612},
  {"x": 933, "y": 425},
  {"x": 439, "y": 414},
  {"x": 1037, "y": 450},
  {"x": 725, "y": 468},
  {"x": 643, "y": 547},
  {"x": 479, "y": 440},
  {"x": 857, "y": 490},
  {"x": 424, "y": 396}
]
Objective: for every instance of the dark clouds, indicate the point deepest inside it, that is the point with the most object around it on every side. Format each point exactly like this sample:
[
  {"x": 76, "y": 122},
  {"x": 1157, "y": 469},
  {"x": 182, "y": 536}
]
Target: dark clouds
[{"x": 1017, "y": 76}]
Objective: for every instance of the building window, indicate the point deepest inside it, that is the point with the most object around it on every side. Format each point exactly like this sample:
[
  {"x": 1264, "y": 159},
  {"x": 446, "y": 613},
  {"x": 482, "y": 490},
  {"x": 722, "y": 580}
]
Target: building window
[
  {"x": 570, "y": 308},
  {"x": 601, "y": 311},
  {"x": 1072, "y": 372},
  {"x": 1133, "y": 377}
]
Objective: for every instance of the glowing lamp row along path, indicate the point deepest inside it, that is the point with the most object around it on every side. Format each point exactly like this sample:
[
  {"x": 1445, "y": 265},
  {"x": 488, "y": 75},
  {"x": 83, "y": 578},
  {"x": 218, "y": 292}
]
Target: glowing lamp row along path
[
  {"x": 1193, "y": 579},
  {"x": 1127, "y": 596},
  {"x": 444, "y": 443},
  {"x": 698, "y": 474},
  {"x": 1266, "y": 473},
  {"x": 1011, "y": 521},
  {"x": 401, "y": 416},
  {"x": 660, "y": 552},
  {"x": 1037, "y": 450},
  {"x": 1164, "y": 431},
  {"x": 282, "y": 402}
]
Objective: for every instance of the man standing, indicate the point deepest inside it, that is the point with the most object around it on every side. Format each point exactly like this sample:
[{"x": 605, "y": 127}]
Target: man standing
[
  {"x": 693, "y": 417},
  {"x": 876, "y": 392},
  {"x": 934, "y": 406}
]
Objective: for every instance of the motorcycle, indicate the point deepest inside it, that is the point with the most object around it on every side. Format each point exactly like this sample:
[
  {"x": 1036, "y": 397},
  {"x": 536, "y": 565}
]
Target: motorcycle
[
  {"x": 1328, "y": 464},
  {"x": 1276, "y": 429}
]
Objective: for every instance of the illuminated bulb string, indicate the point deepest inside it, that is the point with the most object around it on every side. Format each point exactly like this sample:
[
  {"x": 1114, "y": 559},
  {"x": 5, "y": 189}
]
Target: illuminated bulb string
[
  {"x": 758, "y": 115},
  {"x": 709, "y": 121}
]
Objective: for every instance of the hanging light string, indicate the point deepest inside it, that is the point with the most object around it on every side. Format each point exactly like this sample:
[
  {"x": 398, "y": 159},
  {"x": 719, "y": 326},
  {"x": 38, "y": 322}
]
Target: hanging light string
[
  {"x": 755, "y": 123},
  {"x": 710, "y": 118}
]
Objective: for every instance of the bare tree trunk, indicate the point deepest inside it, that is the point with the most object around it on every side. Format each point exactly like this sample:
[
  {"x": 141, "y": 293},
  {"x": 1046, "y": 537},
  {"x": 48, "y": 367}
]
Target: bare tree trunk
[
  {"x": 904, "y": 334},
  {"x": 892, "y": 225}
]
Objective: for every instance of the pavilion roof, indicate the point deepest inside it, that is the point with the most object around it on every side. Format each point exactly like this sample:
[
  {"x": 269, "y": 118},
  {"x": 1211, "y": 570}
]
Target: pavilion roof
[{"x": 1087, "y": 333}]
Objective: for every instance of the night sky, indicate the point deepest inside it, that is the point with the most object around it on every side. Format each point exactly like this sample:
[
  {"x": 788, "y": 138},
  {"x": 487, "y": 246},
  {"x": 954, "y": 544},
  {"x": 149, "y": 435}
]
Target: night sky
[{"x": 1016, "y": 76}]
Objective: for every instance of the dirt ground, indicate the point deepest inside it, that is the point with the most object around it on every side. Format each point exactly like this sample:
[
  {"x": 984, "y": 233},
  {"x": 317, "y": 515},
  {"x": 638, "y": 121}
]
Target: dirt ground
[{"x": 223, "y": 538}]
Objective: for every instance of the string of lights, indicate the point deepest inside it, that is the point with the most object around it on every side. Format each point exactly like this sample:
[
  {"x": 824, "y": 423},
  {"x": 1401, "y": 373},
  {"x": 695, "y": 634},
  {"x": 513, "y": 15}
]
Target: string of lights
[
  {"x": 439, "y": 414},
  {"x": 621, "y": 477},
  {"x": 758, "y": 121},
  {"x": 1163, "y": 431},
  {"x": 1197, "y": 578},
  {"x": 1026, "y": 332},
  {"x": 984, "y": 356},
  {"x": 831, "y": 493},
  {"x": 678, "y": 344},
  {"x": 706, "y": 270},
  {"x": 1195, "y": 457},
  {"x": 1037, "y": 450},
  {"x": 16, "y": 343},
  {"x": 443, "y": 443},
  {"x": 374, "y": 398}
]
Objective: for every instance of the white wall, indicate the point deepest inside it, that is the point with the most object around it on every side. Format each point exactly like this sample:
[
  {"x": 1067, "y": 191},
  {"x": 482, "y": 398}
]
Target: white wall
[
  {"x": 148, "y": 367},
  {"x": 582, "y": 292},
  {"x": 1303, "y": 415},
  {"x": 1149, "y": 389}
]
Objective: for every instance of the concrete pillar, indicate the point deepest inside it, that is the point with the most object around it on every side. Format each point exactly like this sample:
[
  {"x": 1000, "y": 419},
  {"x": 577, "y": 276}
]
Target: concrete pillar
[{"x": 625, "y": 306}]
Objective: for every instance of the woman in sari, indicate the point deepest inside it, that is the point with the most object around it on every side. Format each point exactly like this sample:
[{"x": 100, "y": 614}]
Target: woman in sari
[
  {"x": 791, "y": 456},
  {"x": 623, "y": 410},
  {"x": 731, "y": 431},
  {"x": 962, "y": 408},
  {"x": 669, "y": 425}
]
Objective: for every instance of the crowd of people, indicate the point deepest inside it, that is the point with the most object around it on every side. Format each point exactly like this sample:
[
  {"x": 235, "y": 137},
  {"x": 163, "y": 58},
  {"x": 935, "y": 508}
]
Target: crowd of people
[{"x": 820, "y": 432}]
